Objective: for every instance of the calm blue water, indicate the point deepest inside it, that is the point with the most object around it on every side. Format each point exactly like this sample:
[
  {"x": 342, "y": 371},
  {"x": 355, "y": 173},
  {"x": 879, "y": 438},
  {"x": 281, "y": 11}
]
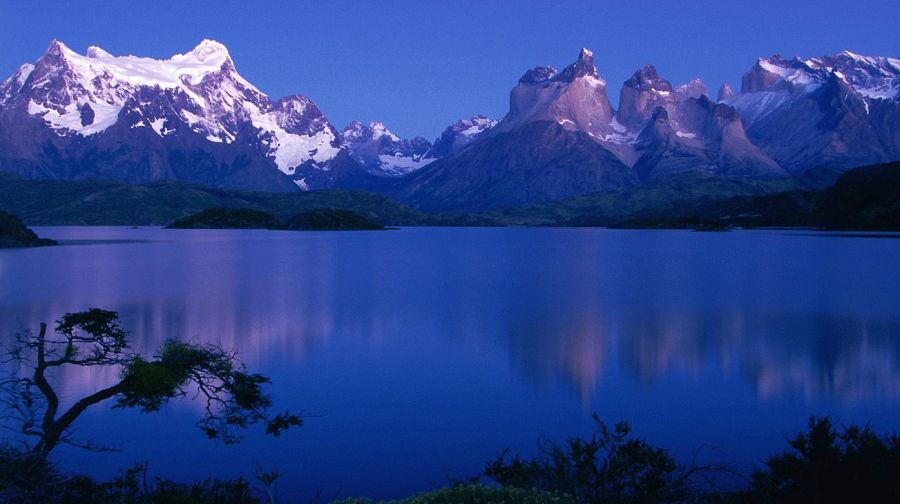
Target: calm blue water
[{"x": 418, "y": 354}]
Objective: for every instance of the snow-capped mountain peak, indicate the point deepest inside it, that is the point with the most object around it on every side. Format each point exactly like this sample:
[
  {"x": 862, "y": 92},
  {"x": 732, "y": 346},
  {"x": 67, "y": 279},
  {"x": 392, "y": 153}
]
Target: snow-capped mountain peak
[
  {"x": 201, "y": 89},
  {"x": 357, "y": 133},
  {"x": 872, "y": 77},
  {"x": 461, "y": 133},
  {"x": 838, "y": 108},
  {"x": 97, "y": 52},
  {"x": 57, "y": 48},
  {"x": 14, "y": 83},
  {"x": 382, "y": 152},
  {"x": 380, "y": 130},
  {"x": 192, "y": 116},
  {"x": 474, "y": 126},
  {"x": 189, "y": 68},
  {"x": 776, "y": 82},
  {"x": 778, "y": 74},
  {"x": 208, "y": 50}
]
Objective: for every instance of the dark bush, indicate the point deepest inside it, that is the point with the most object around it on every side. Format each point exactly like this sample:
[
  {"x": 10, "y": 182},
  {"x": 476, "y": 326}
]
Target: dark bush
[
  {"x": 610, "y": 467},
  {"x": 824, "y": 465},
  {"x": 26, "y": 478}
]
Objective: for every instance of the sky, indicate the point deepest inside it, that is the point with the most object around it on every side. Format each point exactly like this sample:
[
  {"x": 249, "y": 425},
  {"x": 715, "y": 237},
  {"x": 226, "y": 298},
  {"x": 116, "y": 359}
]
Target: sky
[{"x": 420, "y": 66}]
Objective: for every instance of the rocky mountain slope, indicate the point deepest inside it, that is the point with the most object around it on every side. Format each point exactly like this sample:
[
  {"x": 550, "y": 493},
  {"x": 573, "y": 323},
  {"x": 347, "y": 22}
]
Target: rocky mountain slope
[
  {"x": 194, "y": 118},
  {"x": 820, "y": 116},
  {"x": 562, "y": 137},
  {"x": 191, "y": 117}
]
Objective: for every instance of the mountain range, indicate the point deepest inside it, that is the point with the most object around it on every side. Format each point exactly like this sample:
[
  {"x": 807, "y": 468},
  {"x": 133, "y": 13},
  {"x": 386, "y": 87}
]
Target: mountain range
[{"x": 193, "y": 118}]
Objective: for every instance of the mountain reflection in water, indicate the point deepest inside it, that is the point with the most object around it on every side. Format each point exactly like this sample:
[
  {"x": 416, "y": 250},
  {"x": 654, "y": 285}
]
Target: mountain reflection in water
[{"x": 459, "y": 342}]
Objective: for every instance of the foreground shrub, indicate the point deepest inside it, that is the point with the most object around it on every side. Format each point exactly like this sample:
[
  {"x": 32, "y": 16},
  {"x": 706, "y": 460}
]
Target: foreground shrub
[
  {"x": 477, "y": 494},
  {"x": 824, "y": 466},
  {"x": 610, "y": 467},
  {"x": 27, "y": 478}
]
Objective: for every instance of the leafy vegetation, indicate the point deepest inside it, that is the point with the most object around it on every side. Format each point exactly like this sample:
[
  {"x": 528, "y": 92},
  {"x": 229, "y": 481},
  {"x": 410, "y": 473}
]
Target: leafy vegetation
[
  {"x": 610, "y": 466},
  {"x": 822, "y": 465},
  {"x": 605, "y": 209},
  {"x": 26, "y": 478},
  {"x": 317, "y": 219},
  {"x": 233, "y": 398},
  {"x": 92, "y": 202},
  {"x": 825, "y": 465},
  {"x": 322, "y": 219},
  {"x": 477, "y": 494},
  {"x": 864, "y": 198},
  {"x": 867, "y": 198},
  {"x": 14, "y": 234},
  {"x": 226, "y": 218}
]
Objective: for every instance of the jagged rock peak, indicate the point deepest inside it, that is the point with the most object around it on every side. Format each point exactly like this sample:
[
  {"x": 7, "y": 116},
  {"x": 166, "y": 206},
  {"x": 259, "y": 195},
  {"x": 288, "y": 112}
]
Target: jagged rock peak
[
  {"x": 640, "y": 94},
  {"x": 382, "y": 152},
  {"x": 538, "y": 75},
  {"x": 380, "y": 130},
  {"x": 461, "y": 133},
  {"x": 56, "y": 47},
  {"x": 583, "y": 67},
  {"x": 472, "y": 126},
  {"x": 776, "y": 74},
  {"x": 294, "y": 103},
  {"x": 647, "y": 79},
  {"x": 695, "y": 88},
  {"x": 725, "y": 92},
  {"x": 586, "y": 56},
  {"x": 356, "y": 133},
  {"x": 57, "y": 56}
]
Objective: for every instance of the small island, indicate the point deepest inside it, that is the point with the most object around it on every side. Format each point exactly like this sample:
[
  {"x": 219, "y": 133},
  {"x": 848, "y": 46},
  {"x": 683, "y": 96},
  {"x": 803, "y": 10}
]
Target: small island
[
  {"x": 14, "y": 234},
  {"x": 317, "y": 219},
  {"x": 688, "y": 223},
  {"x": 329, "y": 219},
  {"x": 226, "y": 218}
]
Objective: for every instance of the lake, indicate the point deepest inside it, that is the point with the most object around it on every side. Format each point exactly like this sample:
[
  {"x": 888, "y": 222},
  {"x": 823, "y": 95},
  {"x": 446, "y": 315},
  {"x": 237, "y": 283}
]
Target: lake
[{"x": 418, "y": 354}]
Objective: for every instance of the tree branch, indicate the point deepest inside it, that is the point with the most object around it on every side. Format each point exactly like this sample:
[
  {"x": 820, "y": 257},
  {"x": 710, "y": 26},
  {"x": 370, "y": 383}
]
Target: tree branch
[
  {"x": 41, "y": 381},
  {"x": 78, "y": 408}
]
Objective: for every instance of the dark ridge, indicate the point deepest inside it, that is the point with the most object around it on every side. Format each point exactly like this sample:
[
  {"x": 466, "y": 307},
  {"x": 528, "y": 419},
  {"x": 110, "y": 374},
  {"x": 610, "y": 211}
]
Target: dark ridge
[{"x": 14, "y": 234}]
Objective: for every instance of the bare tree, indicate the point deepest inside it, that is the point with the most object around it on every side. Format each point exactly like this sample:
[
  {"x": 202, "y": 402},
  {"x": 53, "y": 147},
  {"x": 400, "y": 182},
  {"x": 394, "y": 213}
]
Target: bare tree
[{"x": 232, "y": 397}]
